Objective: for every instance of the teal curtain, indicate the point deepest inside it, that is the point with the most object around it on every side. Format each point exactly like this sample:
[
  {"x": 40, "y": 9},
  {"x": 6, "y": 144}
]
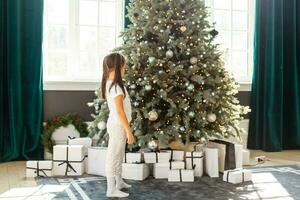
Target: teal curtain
[
  {"x": 126, "y": 19},
  {"x": 20, "y": 79},
  {"x": 275, "y": 98}
]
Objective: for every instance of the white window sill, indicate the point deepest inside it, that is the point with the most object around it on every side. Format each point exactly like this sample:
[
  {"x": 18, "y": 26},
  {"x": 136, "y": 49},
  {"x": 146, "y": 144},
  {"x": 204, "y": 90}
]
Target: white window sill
[
  {"x": 70, "y": 86},
  {"x": 91, "y": 86},
  {"x": 245, "y": 87}
]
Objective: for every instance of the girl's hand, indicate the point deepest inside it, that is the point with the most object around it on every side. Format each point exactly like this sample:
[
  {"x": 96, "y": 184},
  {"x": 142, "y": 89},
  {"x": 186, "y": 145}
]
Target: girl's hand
[{"x": 130, "y": 138}]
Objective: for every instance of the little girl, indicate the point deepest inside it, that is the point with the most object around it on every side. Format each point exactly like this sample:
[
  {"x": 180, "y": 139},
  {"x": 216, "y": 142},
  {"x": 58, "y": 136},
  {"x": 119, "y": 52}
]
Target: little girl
[{"x": 118, "y": 128}]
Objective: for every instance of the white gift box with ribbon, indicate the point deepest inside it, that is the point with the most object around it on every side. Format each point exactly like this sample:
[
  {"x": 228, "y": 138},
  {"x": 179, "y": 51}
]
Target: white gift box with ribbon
[
  {"x": 246, "y": 157},
  {"x": 237, "y": 176},
  {"x": 134, "y": 171},
  {"x": 238, "y": 150},
  {"x": 132, "y": 157},
  {"x": 161, "y": 170},
  {"x": 176, "y": 165},
  {"x": 211, "y": 162},
  {"x": 36, "y": 168},
  {"x": 176, "y": 155},
  {"x": 68, "y": 160},
  {"x": 86, "y": 142},
  {"x": 194, "y": 160},
  {"x": 97, "y": 160},
  {"x": 157, "y": 157},
  {"x": 181, "y": 175}
]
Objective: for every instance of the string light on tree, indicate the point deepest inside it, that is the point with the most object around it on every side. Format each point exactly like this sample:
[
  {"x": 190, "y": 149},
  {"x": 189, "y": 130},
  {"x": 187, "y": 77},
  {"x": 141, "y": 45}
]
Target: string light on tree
[{"x": 186, "y": 84}]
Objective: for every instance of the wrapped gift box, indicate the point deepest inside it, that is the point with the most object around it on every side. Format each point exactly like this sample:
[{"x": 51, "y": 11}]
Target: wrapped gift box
[
  {"x": 246, "y": 157},
  {"x": 177, "y": 165},
  {"x": 194, "y": 160},
  {"x": 134, "y": 171},
  {"x": 131, "y": 157},
  {"x": 97, "y": 160},
  {"x": 161, "y": 170},
  {"x": 157, "y": 157},
  {"x": 238, "y": 151},
  {"x": 237, "y": 176},
  {"x": 39, "y": 168},
  {"x": 181, "y": 175},
  {"x": 211, "y": 162},
  {"x": 68, "y": 160},
  {"x": 230, "y": 154},
  {"x": 176, "y": 155},
  {"x": 86, "y": 142}
]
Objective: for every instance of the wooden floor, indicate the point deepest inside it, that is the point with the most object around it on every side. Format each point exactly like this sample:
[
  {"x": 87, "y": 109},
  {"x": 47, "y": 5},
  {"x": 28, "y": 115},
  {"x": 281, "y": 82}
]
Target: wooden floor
[{"x": 12, "y": 174}]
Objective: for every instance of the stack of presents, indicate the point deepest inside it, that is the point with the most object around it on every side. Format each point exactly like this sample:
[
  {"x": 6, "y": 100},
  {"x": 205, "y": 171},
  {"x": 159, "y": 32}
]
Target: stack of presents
[{"x": 216, "y": 157}]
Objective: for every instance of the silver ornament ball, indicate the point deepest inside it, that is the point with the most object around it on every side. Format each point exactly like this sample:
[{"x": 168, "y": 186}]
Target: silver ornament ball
[
  {"x": 152, "y": 145},
  {"x": 182, "y": 128},
  {"x": 169, "y": 53},
  {"x": 211, "y": 117},
  {"x": 135, "y": 104}
]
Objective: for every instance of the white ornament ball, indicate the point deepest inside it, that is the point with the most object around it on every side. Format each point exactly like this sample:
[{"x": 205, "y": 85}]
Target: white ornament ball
[
  {"x": 183, "y": 28},
  {"x": 169, "y": 54},
  {"x": 148, "y": 87},
  {"x": 202, "y": 140},
  {"x": 138, "y": 133},
  {"x": 151, "y": 59},
  {"x": 182, "y": 128},
  {"x": 191, "y": 114},
  {"x": 152, "y": 145},
  {"x": 191, "y": 87},
  {"x": 101, "y": 125},
  {"x": 133, "y": 86},
  {"x": 211, "y": 117},
  {"x": 153, "y": 115},
  {"x": 193, "y": 60}
]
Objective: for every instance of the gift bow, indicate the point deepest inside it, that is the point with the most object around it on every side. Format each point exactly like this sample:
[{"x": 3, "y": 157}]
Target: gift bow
[
  {"x": 68, "y": 163},
  {"x": 37, "y": 169},
  {"x": 192, "y": 159}
]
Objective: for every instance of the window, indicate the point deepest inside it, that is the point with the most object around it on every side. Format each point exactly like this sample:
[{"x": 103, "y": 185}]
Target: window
[
  {"x": 234, "y": 22},
  {"x": 77, "y": 35}
]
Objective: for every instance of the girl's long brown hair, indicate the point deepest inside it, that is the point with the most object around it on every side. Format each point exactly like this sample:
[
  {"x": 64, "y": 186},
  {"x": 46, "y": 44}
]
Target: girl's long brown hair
[{"x": 113, "y": 61}]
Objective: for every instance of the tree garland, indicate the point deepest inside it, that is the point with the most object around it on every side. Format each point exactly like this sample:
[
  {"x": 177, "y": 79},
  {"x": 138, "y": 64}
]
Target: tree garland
[{"x": 62, "y": 121}]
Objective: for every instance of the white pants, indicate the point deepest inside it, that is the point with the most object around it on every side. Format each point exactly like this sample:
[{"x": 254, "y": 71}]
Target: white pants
[{"x": 115, "y": 150}]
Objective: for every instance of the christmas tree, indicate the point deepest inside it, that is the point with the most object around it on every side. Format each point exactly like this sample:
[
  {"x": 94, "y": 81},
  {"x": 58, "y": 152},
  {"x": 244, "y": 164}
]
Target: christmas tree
[{"x": 175, "y": 76}]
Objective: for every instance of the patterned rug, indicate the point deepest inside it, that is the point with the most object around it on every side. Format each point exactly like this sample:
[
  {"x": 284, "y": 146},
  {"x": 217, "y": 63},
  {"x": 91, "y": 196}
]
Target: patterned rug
[{"x": 282, "y": 182}]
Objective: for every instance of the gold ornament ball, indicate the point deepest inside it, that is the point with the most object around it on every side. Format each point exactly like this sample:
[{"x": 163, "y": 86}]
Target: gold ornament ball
[
  {"x": 193, "y": 60},
  {"x": 153, "y": 115},
  {"x": 183, "y": 28}
]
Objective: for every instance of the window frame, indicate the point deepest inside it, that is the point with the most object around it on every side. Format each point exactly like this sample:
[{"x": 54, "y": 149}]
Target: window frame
[
  {"x": 82, "y": 84},
  {"x": 88, "y": 85}
]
